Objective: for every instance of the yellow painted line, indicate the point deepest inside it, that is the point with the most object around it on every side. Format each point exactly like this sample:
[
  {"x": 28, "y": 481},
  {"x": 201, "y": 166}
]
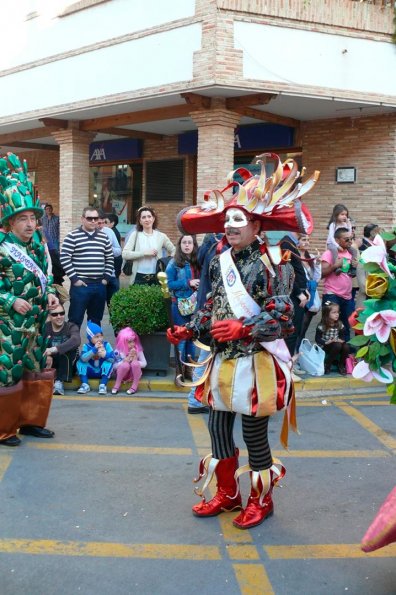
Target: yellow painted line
[
  {"x": 129, "y": 450},
  {"x": 325, "y": 551},
  {"x": 199, "y": 429},
  {"x": 369, "y": 425},
  {"x": 119, "y": 399},
  {"x": 370, "y": 403},
  {"x": 253, "y": 579},
  {"x": 230, "y": 533},
  {"x": 100, "y": 549},
  {"x": 5, "y": 460},
  {"x": 320, "y": 454},
  {"x": 242, "y": 552}
]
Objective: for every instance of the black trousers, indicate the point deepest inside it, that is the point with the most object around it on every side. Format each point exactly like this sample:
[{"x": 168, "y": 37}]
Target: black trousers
[
  {"x": 334, "y": 352},
  {"x": 291, "y": 340},
  {"x": 255, "y": 436},
  {"x": 63, "y": 364}
]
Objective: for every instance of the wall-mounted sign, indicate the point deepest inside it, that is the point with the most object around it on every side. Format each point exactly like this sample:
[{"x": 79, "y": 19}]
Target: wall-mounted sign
[
  {"x": 115, "y": 150},
  {"x": 247, "y": 138},
  {"x": 346, "y": 175}
]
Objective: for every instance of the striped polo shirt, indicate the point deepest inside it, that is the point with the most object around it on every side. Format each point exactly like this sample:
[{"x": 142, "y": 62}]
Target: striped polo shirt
[{"x": 87, "y": 256}]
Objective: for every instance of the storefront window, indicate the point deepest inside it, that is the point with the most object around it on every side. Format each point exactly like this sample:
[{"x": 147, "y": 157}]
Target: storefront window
[{"x": 117, "y": 189}]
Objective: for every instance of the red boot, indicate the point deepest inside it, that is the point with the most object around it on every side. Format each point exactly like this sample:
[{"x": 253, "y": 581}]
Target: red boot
[
  {"x": 228, "y": 496},
  {"x": 260, "y": 505}
]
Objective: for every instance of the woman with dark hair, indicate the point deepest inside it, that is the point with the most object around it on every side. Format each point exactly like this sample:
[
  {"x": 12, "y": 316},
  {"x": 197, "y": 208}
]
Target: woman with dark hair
[
  {"x": 183, "y": 281},
  {"x": 144, "y": 247}
]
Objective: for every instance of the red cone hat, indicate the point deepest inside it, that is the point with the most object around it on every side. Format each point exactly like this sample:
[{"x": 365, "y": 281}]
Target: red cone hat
[{"x": 274, "y": 200}]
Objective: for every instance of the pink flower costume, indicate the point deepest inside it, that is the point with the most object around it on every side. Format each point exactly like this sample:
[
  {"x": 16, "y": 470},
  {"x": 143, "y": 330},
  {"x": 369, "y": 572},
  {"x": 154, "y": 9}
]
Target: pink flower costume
[{"x": 130, "y": 360}]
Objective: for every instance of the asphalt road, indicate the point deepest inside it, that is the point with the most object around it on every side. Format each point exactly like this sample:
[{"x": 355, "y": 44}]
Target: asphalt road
[{"x": 105, "y": 507}]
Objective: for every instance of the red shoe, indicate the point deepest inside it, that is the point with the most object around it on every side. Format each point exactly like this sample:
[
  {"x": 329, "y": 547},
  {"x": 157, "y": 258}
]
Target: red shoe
[
  {"x": 228, "y": 496},
  {"x": 255, "y": 513},
  {"x": 221, "y": 502}
]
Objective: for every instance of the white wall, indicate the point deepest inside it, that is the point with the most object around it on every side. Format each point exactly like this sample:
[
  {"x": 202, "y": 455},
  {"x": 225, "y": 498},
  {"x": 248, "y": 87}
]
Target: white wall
[
  {"x": 25, "y": 41},
  {"x": 300, "y": 57},
  {"x": 122, "y": 68}
]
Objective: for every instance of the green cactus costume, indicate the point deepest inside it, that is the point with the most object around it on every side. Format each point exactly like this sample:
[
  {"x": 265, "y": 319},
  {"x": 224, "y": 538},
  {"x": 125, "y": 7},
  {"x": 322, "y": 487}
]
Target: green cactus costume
[{"x": 23, "y": 274}]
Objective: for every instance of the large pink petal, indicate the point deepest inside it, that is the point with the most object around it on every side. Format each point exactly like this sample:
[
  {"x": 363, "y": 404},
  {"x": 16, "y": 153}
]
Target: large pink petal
[
  {"x": 362, "y": 372},
  {"x": 383, "y": 333},
  {"x": 373, "y": 254},
  {"x": 389, "y": 316},
  {"x": 385, "y": 380}
]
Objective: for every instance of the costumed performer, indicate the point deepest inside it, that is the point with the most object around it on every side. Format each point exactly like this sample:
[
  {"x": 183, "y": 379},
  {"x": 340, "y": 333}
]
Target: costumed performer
[
  {"x": 26, "y": 294},
  {"x": 376, "y": 357},
  {"x": 248, "y": 313}
]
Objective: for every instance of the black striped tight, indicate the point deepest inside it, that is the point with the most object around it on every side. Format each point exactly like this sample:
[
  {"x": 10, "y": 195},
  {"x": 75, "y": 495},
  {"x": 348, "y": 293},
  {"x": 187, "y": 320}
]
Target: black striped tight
[{"x": 255, "y": 436}]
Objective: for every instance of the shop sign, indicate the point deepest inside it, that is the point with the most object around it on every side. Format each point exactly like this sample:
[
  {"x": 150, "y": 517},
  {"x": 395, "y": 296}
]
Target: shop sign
[
  {"x": 115, "y": 150},
  {"x": 247, "y": 138}
]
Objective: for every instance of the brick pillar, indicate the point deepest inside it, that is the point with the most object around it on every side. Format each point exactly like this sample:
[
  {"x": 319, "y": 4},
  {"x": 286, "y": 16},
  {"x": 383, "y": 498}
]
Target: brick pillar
[
  {"x": 215, "y": 145},
  {"x": 73, "y": 175}
]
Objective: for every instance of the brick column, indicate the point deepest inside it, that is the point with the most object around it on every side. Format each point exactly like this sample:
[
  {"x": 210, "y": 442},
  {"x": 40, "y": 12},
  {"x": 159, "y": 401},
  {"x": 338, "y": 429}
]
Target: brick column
[
  {"x": 73, "y": 175},
  {"x": 215, "y": 145}
]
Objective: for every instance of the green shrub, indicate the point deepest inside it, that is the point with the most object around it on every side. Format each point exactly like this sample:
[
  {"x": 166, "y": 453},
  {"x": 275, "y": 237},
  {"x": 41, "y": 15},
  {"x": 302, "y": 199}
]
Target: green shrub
[{"x": 141, "y": 307}]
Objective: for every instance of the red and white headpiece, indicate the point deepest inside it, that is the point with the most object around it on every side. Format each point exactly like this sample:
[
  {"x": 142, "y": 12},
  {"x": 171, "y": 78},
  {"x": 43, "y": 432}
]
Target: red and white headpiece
[{"x": 274, "y": 201}]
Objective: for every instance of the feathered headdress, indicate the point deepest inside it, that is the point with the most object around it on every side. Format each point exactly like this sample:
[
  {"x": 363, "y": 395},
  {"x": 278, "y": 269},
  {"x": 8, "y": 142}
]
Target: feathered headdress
[
  {"x": 16, "y": 190},
  {"x": 274, "y": 200}
]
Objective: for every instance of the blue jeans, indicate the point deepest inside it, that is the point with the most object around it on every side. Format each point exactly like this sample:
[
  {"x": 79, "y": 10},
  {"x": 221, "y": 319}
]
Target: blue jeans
[
  {"x": 111, "y": 288},
  {"x": 192, "y": 401},
  {"x": 90, "y": 299},
  {"x": 186, "y": 348},
  {"x": 346, "y": 309}
]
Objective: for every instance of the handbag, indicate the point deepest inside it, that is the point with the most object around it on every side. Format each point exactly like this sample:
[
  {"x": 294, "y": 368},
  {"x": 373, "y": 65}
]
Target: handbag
[
  {"x": 127, "y": 267},
  {"x": 350, "y": 363},
  {"x": 311, "y": 358},
  {"x": 314, "y": 303},
  {"x": 186, "y": 306}
]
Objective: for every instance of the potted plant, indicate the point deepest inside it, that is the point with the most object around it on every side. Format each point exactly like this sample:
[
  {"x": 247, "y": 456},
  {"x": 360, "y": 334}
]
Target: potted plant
[{"x": 142, "y": 307}]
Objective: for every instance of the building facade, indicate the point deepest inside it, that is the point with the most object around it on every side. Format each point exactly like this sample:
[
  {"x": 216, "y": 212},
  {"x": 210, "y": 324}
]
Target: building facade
[{"x": 118, "y": 107}]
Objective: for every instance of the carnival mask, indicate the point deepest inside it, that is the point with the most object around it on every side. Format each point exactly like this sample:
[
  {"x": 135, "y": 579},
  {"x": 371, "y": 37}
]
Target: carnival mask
[{"x": 235, "y": 218}]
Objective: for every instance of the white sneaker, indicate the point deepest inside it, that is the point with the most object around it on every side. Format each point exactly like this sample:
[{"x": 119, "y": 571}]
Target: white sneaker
[
  {"x": 84, "y": 388},
  {"x": 102, "y": 389},
  {"x": 295, "y": 378},
  {"x": 58, "y": 388}
]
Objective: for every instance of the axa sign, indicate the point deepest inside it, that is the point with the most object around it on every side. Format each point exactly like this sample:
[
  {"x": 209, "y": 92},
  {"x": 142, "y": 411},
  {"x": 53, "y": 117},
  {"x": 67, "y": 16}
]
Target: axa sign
[{"x": 98, "y": 154}]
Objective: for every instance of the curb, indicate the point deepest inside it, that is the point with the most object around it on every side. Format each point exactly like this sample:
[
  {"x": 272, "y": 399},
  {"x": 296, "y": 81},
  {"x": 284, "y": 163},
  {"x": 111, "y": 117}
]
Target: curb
[{"x": 309, "y": 383}]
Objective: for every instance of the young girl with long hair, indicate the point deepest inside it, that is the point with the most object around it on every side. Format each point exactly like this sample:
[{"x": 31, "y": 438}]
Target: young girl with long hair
[
  {"x": 339, "y": 218},
  {"x": 330, "y": 334},
  {"x": 129, "y": 360},
  {"x": 183, "y": 281}
]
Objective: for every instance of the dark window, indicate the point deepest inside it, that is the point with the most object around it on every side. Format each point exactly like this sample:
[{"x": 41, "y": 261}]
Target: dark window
[{"x": 165, "y": 181}]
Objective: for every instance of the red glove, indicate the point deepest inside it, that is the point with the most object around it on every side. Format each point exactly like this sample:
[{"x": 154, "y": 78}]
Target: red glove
[
  {"x": 229, "y": 330},
  {"x": 179, "y": 333}
]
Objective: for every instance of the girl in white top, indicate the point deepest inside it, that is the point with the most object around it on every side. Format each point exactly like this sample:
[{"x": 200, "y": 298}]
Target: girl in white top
[
  {"x": 145, "y": 246},
  {"x": 339, "y": 218}
]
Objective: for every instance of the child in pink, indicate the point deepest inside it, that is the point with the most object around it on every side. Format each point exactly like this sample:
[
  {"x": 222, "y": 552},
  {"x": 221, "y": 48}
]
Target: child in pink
[{"x": 129, "y": 360}]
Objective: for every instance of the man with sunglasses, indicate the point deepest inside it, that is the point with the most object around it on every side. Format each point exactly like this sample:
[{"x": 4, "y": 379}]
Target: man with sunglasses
[
  {"x": 337, "y": 278},
  {"x": 63, "y": 342},
  {"x": 87, "y": 259}
]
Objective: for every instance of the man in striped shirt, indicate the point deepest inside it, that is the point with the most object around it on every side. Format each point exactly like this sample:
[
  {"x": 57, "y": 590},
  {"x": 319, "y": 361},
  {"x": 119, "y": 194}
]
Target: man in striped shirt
[{"x": 88, "y": 261}]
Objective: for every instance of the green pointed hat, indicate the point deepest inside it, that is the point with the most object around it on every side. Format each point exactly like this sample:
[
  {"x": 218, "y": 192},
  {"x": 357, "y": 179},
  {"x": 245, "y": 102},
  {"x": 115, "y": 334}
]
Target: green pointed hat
[{"x": 16, "y": 190}]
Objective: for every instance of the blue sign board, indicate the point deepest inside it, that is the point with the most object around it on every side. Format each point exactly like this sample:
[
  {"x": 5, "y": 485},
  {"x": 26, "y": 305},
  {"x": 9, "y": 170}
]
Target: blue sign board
[
  {"x": 247, "y": 138},
  {"x": 123, "y": 150}
]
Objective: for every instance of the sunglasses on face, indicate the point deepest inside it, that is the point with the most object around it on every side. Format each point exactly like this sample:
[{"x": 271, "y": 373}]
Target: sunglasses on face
[
  {"x": 57, "y": 314},
  {"x": 346, "y": 239},
  {"x": 92, "y": 218}
]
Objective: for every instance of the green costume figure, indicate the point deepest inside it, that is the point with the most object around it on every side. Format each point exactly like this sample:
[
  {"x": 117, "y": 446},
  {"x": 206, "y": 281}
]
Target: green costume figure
[{"x": 25, "y": 296}]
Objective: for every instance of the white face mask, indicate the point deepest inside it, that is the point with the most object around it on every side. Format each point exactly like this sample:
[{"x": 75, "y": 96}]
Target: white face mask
[{"x": 235, "y": 218}]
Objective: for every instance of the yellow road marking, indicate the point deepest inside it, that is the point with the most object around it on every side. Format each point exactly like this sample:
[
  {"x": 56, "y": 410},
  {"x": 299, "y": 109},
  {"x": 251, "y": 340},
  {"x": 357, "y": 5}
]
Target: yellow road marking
[
  {"x": 252, "y": 579},
  {"x": 130, "y": 450},
  {"x": 319, "y": 454},
  {"x": 369, "y": 425},
  {"x": 242, "y": 552},
  {"x": 323, "y": 551},
  {"x": 230, "y": 533},
  {"x": 199, "y": 430},
  {"x": 155, "y": 551},
  {"x": 5, "y": 460},
  {"x": 107, "y": 399}
]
